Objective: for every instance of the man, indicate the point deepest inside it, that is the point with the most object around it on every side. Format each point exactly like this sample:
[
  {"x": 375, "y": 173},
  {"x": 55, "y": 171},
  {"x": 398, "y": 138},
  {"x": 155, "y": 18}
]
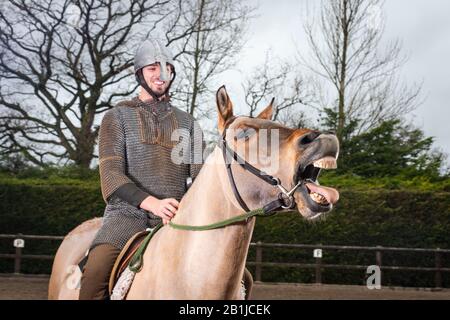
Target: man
[{"x": 140, "y": 183}]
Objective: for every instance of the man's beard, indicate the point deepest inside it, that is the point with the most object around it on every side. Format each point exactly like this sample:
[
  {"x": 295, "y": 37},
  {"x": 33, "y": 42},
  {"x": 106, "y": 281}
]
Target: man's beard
[{"x": 158, "y": 89}]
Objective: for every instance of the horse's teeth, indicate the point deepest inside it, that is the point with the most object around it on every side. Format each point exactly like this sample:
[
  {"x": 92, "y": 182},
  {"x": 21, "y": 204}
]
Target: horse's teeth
[
  {"x": 318, "y": 198},
  {"x": 325, "y": 163}
]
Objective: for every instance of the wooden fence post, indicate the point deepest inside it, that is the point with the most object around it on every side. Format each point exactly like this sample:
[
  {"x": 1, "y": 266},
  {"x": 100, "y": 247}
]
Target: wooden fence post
[
  {"x": 318, "y": 270},
  {"x": 438, "y": 265},
  {"x": 379, "y": 262},
  {"x": 318, "y": 256},
  {"x": 18, "y": 257},
  {"x": 258, "y": 261}
]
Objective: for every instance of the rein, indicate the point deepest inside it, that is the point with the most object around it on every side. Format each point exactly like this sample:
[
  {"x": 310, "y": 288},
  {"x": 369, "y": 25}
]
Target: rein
[{"x": 220, "y": 224}]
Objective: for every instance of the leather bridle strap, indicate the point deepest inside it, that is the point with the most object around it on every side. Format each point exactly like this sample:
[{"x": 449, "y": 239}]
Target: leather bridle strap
[
  {"x": 232, "y": 182},
  {"x": 268, "y": 208},
  {"x": 247, "y": 166}
]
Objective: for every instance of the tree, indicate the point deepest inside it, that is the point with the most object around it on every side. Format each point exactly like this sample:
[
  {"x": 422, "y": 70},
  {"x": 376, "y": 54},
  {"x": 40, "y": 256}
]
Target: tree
[
  {"x": 365, "y": 83},
  {"x": 280, "y": 81},
  {"x": 389, "y": 149},
  {"x": 72, "y": 60},
  {"x": 207, "y": 35},
  {"x": 63, "y": 63},
  {"x": 14, "y": 164}
]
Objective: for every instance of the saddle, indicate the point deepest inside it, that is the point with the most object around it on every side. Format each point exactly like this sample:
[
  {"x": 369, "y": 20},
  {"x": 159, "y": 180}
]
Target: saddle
[{"x": 125, "y": 256}]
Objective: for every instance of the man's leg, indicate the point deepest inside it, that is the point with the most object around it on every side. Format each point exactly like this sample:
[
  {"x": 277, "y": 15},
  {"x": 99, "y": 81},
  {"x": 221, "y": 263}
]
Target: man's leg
[{"x": 98, "y": 268}]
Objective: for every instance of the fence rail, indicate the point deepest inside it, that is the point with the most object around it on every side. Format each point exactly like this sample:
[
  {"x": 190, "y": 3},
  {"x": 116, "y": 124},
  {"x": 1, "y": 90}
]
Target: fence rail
[
  {"x": 319, "y": 266},
  {"x": 438, "y": 269}
]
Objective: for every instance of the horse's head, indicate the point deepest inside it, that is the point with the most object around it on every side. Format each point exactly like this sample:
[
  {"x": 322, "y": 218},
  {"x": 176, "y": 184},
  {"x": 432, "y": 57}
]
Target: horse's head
[{"x": 293, "y": 156}]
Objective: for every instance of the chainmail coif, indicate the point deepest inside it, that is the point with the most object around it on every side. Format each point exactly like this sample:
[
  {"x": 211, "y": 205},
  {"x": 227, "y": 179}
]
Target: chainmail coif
[{"x": 135, "y": 146}]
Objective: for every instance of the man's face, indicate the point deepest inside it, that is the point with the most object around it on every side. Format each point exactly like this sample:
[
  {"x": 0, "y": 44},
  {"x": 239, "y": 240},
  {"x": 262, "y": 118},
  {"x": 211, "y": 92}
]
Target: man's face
[{"x": 151, "y": 75}]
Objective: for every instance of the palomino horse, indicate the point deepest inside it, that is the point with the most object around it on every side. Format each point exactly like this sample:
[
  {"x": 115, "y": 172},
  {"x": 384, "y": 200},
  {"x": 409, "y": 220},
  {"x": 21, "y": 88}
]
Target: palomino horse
[{"x": 183, "y": 264}]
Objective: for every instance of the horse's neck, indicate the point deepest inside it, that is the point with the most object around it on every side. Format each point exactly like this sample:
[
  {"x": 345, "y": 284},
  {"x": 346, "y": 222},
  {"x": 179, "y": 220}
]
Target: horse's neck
[
  {"x": 211, "y": 200},
  {"x": 208, "y": 200}
]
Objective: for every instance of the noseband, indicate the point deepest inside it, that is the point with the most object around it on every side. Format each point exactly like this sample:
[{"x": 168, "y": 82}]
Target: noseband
[{"x": 285, "y": 198}]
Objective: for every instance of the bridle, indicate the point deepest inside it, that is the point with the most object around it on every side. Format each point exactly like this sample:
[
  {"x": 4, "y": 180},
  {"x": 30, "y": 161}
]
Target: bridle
[{"x": 285, "y": 198}]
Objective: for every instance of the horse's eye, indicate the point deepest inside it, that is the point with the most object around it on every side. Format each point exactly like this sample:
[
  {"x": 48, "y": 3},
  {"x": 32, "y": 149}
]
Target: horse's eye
[{"x": 244, "y": 133}]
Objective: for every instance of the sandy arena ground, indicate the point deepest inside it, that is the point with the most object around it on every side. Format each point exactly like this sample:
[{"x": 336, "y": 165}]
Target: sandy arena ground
[{"x": 35, "y": 288}]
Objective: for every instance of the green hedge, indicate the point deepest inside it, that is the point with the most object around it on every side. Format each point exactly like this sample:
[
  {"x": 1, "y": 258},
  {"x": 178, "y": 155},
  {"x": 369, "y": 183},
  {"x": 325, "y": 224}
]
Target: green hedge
[
  {"x": 396, "y": 218},
  {"x": 363, "y": 218},
  {"x": 40, "y": 209}
]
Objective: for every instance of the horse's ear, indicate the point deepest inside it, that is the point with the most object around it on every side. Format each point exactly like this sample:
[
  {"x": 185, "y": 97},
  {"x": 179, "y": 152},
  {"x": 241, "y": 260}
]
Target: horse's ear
[
  {"x": 224, "y": 106},
  {"x": 266, "y": 114}
]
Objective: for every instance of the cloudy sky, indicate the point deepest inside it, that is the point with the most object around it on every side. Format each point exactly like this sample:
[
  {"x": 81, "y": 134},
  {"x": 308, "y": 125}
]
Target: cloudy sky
[{"x": 423, "y": 27}]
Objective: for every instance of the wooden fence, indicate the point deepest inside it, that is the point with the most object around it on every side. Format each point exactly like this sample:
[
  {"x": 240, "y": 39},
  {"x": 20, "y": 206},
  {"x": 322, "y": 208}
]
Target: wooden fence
[
  {"x": 438, "y": 269},
  {"x": 318, "y": 266}
]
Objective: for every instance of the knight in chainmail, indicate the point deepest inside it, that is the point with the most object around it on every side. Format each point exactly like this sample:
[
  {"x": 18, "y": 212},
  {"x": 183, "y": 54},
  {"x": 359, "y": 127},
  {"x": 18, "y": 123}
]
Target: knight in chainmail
[{"x": 139, "y": 161}]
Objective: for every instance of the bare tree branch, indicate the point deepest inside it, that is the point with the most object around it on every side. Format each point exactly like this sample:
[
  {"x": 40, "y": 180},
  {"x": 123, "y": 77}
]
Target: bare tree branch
[
  {"x": 279, "y": 80},
  {"x": 207, "y": 35},
  {"x": 71, "y": 61},
  {"x": 345, "y": 53}
]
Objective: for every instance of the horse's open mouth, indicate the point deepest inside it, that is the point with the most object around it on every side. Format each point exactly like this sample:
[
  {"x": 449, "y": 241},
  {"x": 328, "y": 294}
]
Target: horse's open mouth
[{"x": 316, "y": 198}]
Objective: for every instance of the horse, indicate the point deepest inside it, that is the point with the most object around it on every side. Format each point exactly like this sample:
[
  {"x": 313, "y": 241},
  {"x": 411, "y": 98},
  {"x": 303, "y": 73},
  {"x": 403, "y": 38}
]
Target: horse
[{"x": 209, "y": 264}]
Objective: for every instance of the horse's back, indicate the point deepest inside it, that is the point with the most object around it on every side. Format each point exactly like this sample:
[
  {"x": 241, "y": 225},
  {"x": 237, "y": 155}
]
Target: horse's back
[{"x": 65, "y": 275}]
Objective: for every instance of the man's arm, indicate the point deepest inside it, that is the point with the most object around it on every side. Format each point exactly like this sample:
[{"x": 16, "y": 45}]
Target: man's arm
[
  {"x": 130, "y": 193},
  {"x": 112, "y": 154}
]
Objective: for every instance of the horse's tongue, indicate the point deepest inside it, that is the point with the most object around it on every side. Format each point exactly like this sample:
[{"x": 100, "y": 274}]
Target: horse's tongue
[{"x": 332, "y": 195}]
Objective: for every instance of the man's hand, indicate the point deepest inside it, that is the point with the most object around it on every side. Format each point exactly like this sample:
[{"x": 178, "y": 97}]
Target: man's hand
[{"x": 165, "y": 208}]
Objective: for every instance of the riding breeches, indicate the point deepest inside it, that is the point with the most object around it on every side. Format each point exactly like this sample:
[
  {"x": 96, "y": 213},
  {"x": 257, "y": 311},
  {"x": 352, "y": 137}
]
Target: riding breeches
[{"x": 96, "y": 272}]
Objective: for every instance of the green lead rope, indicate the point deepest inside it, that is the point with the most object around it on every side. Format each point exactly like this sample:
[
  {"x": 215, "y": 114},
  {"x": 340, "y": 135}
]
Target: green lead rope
[
  {"x": 220, "y": 224},
  {"x": 136, "y": 262}
]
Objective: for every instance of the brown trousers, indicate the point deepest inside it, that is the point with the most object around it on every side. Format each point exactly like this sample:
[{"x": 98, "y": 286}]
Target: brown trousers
[
  {"x": 96, "y": 272},
  {"x": 98, "y": 268}
]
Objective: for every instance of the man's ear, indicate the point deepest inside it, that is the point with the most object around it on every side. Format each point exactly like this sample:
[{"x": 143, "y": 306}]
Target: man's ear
[
  {"x": 267, "y": 113},
  {"x": 224, "y": 108}
]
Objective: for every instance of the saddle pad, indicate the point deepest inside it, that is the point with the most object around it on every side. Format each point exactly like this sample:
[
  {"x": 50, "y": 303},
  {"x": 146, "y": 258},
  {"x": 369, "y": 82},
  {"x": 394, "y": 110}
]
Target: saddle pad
[{"x": 124, "y": 257}]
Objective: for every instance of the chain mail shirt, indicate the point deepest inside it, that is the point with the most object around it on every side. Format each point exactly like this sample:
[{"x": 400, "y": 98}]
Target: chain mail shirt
[{"x": 136, "y": 147}]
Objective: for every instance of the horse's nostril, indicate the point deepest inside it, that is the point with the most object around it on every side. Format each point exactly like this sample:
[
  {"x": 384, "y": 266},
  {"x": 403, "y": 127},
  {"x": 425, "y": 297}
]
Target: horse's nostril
[{"x": 310, "y": 137}]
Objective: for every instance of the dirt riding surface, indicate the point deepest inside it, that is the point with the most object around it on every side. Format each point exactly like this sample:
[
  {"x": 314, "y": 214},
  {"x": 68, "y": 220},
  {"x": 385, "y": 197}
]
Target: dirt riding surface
[{"x": 35, "y": 288}]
